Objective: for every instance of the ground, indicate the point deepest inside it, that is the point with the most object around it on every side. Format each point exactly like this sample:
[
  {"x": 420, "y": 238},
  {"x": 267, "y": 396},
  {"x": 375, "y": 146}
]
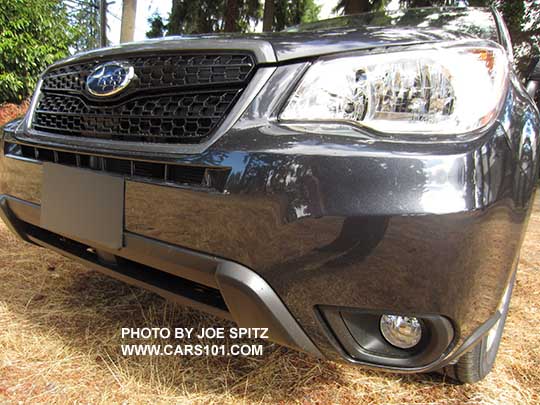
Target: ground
[
  {"x": 9, "y": 111},
  {"x": 60, "y": 342}
]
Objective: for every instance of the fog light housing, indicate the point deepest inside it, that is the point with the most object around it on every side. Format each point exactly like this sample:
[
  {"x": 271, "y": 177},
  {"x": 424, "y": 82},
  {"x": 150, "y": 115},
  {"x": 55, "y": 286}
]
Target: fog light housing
[{"x": 403, "y": 332}]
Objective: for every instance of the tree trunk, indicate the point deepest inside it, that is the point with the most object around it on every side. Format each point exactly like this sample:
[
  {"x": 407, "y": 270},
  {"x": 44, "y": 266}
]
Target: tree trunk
[
  {"x": 356, "y": 6},
  {"x": 268, "y": 17},
  {"x": 129, "y": 11},
  {"x": 103, "y": 23},
  {"x": 231, "y": 16}
]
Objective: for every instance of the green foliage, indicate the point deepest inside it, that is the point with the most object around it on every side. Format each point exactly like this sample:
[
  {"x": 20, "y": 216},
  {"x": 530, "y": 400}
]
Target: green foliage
[
  {"x": 195, "y": 17},
  {"x": 288, "y": 13},
  {"x": 522, "y": 17},
  {"x": 250, "y": 14},
  {"x": 311, "y": 12},
  {"x": 34, "y": 34},
  {"x": 84, "y": 18},
  {"x": 203, "y": 16},
  {"x": 157, "y": 27}
]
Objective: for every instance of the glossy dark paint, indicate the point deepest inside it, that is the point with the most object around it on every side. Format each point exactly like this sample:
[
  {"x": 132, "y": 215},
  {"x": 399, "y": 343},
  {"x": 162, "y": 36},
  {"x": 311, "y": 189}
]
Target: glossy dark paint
[
  {"x": 424, "y": 228},
  {"x": 368, "y": 222}
]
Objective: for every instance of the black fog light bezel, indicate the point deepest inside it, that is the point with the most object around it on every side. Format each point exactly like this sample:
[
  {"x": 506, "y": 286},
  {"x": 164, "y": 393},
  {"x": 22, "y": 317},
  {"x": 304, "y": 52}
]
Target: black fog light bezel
[{"x": 356, "y": 334}]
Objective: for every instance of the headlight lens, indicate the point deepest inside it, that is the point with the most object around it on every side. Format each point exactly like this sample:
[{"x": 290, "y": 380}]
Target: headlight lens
[{"x": 448, "y": 90}]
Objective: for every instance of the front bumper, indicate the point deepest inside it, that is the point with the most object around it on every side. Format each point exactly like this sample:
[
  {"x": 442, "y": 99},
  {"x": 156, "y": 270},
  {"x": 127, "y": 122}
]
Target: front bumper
[
  {"x": 322, "y": 222},
  {"x": 371, "y": 241}
]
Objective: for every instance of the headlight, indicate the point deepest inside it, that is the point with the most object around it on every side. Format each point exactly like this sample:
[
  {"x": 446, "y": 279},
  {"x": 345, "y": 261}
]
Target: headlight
[{"x": 445, "y": 90}]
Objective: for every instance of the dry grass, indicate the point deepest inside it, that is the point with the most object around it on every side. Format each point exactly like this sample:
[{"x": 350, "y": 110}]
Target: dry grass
[{"x": 60, "y": 342}]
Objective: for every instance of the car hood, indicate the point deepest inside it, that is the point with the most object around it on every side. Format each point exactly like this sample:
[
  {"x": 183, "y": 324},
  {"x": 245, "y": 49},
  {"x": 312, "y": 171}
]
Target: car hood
[
  {"x": 285, "y": 46},
  {"x": 296, "y": 45}
]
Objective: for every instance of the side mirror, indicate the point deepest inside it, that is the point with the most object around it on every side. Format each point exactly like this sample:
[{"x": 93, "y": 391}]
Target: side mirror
[{"x": 533, "y": 77}]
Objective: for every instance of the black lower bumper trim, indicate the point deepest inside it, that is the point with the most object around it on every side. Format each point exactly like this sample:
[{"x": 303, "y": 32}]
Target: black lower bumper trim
[
  {"x": 174, "y": 288},
  {"x": 254, "y": 304}
]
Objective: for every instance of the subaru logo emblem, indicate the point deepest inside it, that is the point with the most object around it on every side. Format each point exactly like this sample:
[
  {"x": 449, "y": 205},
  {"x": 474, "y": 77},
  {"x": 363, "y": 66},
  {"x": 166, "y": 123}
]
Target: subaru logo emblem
[{"x": 109, "y": 78}]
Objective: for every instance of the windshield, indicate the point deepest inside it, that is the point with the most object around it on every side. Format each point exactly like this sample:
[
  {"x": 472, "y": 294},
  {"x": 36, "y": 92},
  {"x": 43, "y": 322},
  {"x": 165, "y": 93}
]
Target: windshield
[{"x": 478, "y": 22}]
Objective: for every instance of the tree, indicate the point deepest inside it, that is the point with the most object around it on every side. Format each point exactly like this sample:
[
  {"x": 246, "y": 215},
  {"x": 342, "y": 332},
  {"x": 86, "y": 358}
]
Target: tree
[
  {"x": 195, "y": 17},
  {"x": 34, "y": 34},
  {"x": 84, "y": 17},
  {"x": 353, "y": 6},
  {"x": 103, "y": 23},
  {"x": 311, "y": 12},
  {"x": 157, "y": 27},
  {"x": 231, "y": 16},
  {"x": 129, "y": 12},
  {"x": 284, "y": 13},
  {"x": 522, "y": 19},
  {"x": 268, "y": 16},
  {"x": 203, "y": 16},
  {"x": 250, "y": 13}
]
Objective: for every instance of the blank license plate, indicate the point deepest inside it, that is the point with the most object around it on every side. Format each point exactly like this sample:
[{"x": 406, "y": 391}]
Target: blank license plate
[{"x": 84, "y": 204}]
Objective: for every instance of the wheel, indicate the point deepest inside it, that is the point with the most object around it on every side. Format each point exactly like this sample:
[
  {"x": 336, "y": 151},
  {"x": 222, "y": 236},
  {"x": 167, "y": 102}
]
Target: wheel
[{"x": 474, "y": 365}]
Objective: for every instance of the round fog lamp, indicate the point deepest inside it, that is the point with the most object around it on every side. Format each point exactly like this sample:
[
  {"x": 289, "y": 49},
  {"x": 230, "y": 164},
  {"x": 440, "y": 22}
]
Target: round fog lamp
[{"x": 401, "y": 331}]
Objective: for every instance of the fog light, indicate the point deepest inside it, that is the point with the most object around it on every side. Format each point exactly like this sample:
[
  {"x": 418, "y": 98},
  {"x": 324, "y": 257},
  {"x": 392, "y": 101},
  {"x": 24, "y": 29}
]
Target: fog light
[{"x": 401, "y": 331}]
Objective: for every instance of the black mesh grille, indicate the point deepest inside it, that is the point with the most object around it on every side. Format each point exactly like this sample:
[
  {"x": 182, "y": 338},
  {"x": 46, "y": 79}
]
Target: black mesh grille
[
  {"x": 173, "y": 99},
  {"x": 188, "y": 117}
]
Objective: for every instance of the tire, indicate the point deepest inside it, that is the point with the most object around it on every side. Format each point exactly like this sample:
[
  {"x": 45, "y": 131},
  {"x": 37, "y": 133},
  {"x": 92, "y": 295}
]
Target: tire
[{"x": 477, "y": 363}]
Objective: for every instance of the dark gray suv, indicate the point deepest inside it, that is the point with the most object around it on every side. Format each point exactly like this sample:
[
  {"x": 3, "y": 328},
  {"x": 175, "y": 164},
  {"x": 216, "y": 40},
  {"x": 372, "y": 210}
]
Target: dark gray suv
[{"x": 360, "y": 186}]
